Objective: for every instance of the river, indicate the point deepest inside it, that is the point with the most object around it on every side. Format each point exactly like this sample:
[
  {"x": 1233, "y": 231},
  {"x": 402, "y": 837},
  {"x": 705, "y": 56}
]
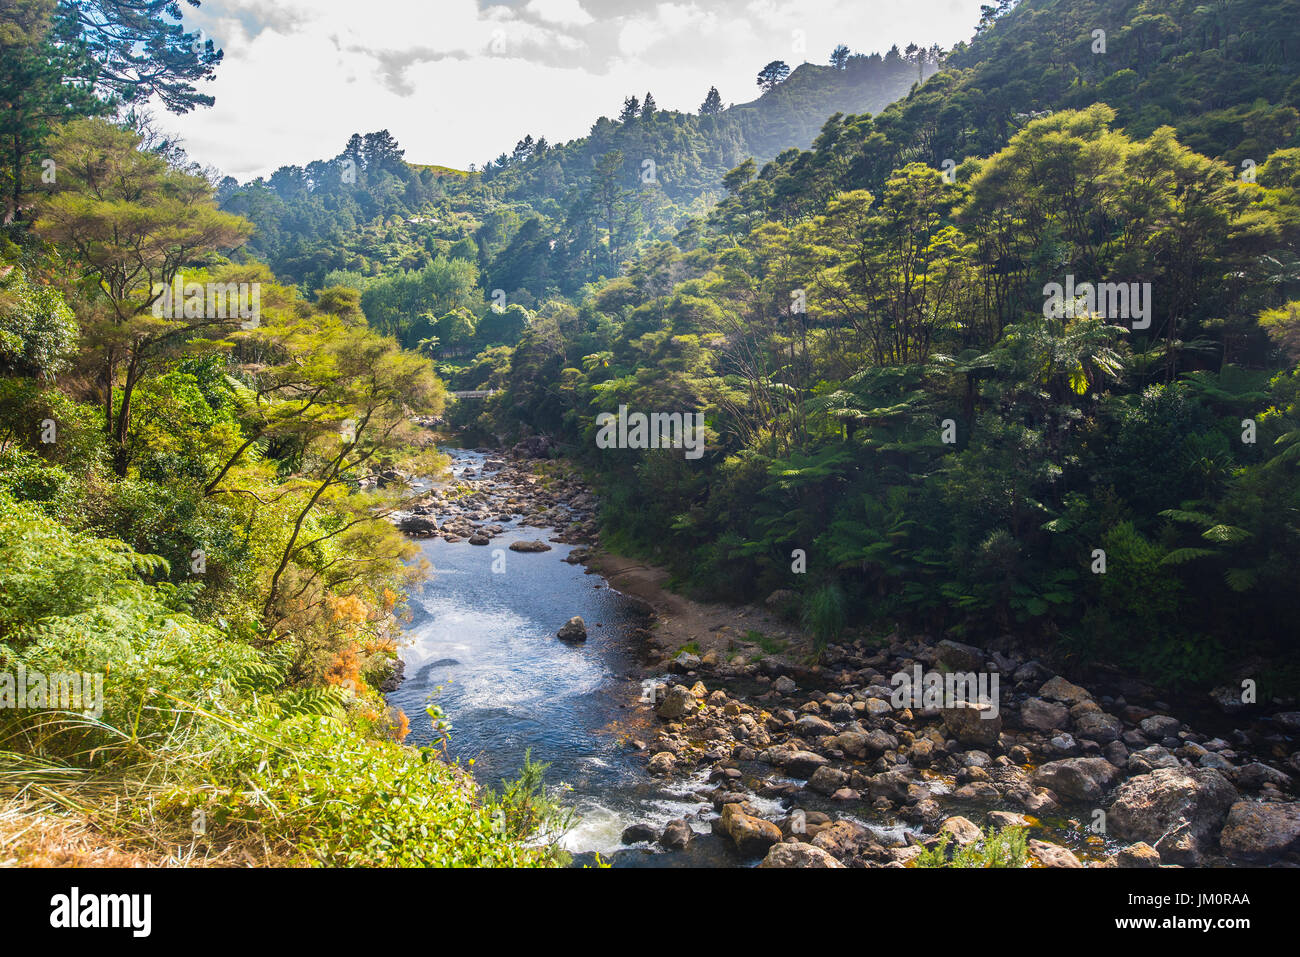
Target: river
[{"x": 484, "y": 644}]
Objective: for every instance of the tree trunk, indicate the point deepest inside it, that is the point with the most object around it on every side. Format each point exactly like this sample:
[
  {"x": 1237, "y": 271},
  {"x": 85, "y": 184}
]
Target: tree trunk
[{"x": 123, "y": 425}]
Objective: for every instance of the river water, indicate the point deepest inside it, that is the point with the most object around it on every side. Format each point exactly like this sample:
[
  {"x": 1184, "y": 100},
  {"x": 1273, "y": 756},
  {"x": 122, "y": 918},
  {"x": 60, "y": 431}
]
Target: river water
[{"x": 483, "y": 643}]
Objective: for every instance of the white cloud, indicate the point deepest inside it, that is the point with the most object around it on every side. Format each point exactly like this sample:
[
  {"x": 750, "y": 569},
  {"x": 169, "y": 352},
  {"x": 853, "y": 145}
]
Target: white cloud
[
  {"x": 457, "y": 83},
  {"x": 567, "y": 13}
]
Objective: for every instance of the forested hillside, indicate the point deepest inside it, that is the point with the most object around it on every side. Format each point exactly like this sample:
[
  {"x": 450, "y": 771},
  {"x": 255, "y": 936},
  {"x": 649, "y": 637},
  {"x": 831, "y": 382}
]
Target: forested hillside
[
  {"x": 549, "y": 217},
  {"x": 892, "y": 398},
  {"x": 1223, "y": 75}
]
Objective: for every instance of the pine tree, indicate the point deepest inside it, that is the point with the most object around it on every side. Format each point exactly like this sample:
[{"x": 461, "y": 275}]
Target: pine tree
[
  {"x": 712, "y": 104},
  {"x": 771, "y": 75}
]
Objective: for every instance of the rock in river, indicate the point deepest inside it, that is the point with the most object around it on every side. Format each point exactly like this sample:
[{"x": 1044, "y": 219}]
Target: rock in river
[
  {"x": 533, "y": 546},
  {"x": 752, "y": 835},
  {"x": 638, "y": 833},
  {"x": 575, "y": 629},
  {"x": 677, "y": 834}
]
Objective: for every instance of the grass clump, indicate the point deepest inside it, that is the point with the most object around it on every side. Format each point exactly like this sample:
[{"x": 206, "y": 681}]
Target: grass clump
[{"x": 1005, "y": 848}]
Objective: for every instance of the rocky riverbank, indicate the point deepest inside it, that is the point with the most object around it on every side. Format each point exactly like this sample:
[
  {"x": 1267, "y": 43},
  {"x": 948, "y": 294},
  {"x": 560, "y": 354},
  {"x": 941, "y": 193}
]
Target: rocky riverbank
[
  {"x": 1097, "y": 779},
  {"x": 1140, "y": 787}
]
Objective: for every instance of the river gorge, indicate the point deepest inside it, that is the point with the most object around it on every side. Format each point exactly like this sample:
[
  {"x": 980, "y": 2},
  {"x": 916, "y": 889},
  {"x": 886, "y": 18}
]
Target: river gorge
[{"x": 687, "y": 734}]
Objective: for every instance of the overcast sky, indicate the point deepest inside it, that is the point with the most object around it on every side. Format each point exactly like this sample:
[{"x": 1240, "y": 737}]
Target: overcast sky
[{"x": 460, "y": 81}]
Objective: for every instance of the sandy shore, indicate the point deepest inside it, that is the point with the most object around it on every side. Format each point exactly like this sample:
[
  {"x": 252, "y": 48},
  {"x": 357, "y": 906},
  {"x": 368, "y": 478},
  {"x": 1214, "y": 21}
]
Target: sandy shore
[{"x": 680, "y": 621}]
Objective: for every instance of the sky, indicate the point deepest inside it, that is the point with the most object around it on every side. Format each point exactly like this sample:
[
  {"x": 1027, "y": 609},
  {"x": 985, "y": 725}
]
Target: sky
[{"x": 460, "y": 81}]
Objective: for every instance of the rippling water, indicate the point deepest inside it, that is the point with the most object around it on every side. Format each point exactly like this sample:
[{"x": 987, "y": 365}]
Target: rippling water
[{"x": 484, "y": 643}]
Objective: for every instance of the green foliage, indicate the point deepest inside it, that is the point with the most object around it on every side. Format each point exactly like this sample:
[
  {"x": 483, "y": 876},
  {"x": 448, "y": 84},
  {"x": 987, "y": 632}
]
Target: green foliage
[
  {"x": 400, "y": 305},
  {"x": 342, "y": 799},
  {"x": 824, "y": 613},
  {"x": 1004, "y": 848},
  {"x": 38, "y": 333},
  {"x": 205, "y": 723},
  {"x": 868, "y": 342}
]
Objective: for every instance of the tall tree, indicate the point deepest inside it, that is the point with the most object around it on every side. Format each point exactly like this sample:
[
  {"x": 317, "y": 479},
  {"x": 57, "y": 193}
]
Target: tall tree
[
  {"x": 615, "y": 206},
  {"x": 143, "y": 51},
  {"x": 133, "y": 223},
  {"x": 712, "y": 104},
  {"x": 771, "y": 75},
  {"x": 42, "y": 72}
]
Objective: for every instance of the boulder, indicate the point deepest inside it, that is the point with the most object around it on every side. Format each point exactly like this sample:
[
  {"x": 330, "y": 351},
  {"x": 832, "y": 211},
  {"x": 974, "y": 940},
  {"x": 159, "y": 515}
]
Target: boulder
[
  {"x": 1228, "y": 699},
  {"x": 1098, "y": 726},
  {"x": 1058, "y": 689},
  {"x": 842, "y": 840},
  {"x": 685, "y": 662},
  {"x": 879, "y": 741},
  {"x": 811, "y": 726},
  {"x": 529, "y": 546},
  {"x": 677, "y": 834},
  {"x": 1257, "y": 831},
  {"x": 963, "y": 831},
  {"x": 677, "y": 702},
  {"x": 418, "y": 525},
  {"x": 890, "y": 785},
  {"x": 850, "y": 742},
  {"x": 1001, "y": 819},
  {"x": 1043, "y": 715},
  {"x": 1254, "y": 776},
  {"x": 828, "y": 780},
  {"x": 1078, "y": 779},
  {"x": 1138, "y": 855},
  {"x": 533, "y": 447},
  {"x": 575, "y": 629},
  {"x": 752, "y": 835},
  {"x": 1151, "y": 758},
  {"x": 955, "y": 656},
  {"x": 972, "y": 725},
  {"x": 802, "y": 764},
  {"x": 662, "y": 763},
  {"x": 1160, "y": 726},
  {"x": 640, "y": 833},
  {"x": 1179, "y": 812},
  {"x": 1053, "y": 855},
  {"x": 1031, "y": 672},
  {"x": 798, "y": 855},
  {"x": 1064, "y": 743}
]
